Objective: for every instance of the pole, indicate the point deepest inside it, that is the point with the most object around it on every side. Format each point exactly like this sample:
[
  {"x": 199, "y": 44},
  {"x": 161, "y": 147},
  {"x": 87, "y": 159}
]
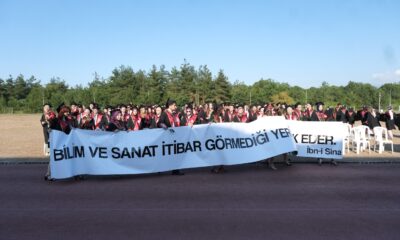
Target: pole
[
  {"x": 306, "y": 97},
  {"x": 379, "y": 102},
  {"x": 250, "y": 97}
]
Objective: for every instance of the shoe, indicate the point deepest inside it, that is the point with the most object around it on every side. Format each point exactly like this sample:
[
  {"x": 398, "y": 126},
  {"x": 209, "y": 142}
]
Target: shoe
[
  {"x": 272, "y": 166},
  {"x": 47, "y": 178},
  {"x": 334, "y": 163},
  {"x": 320, "y": 161},
  {"x": 177, "y": 173}
]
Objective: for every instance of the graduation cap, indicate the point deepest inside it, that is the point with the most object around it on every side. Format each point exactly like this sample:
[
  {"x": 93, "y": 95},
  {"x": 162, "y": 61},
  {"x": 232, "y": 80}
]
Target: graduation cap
[
  {"x": 390, "y": 108},
  {"x": 95, "y": 106},
  {"x": 60, "y": 106},
  {"x": 189, "y": 106},
  {"x": 74, "y": 103},
  {"x": 47, "y": 104},
  {"x": 319, "y": 103},
  {"x": 122, "y": 105}
]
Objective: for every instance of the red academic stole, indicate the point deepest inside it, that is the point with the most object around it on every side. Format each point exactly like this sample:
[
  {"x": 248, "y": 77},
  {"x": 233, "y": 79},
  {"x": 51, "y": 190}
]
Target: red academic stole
[
  {"x": 172, "y": 119},
  {"x": 321, "y": 116},
  {"x": 191, "y": 120},
  {"x": 97, "y": 121},
  {"x": 156, "y": 118},
  {"x": 64, "y": 123},
  {"x": 136, "y": 122},
  {"x": 242, "y": 118},
  {"x": 292, "y": 116},
  {"x": 125, "y": 117}
]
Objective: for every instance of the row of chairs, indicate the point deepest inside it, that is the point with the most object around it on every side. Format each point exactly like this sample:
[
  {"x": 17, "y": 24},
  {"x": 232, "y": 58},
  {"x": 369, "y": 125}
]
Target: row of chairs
[{"x": 361, "y": 138}]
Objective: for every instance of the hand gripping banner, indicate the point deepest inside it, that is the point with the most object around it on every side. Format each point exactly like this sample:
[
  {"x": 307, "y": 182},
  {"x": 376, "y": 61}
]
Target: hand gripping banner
[{"x": 157, "y": 150}]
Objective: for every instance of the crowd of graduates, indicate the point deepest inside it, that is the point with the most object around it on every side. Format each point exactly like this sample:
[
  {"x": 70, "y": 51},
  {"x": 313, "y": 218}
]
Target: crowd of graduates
[{"x": 134, "y": 118}]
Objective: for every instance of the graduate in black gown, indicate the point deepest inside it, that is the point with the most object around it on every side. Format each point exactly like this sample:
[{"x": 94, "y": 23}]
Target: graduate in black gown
[
  {"x": 253, "y": 113},
  {"x": 156, "y": 116},
  {"x": 46, "y": 120},
  {"x": 373, "y": 118},
  {"x": 116, "y": 124},
  {"x": 167, "y": 120},
  {"x": 390, "y": 120}
]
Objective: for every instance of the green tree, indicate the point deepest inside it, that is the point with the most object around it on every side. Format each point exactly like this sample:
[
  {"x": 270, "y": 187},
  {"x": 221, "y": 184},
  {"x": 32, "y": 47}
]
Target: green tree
[{"x": 222, "y": 88}]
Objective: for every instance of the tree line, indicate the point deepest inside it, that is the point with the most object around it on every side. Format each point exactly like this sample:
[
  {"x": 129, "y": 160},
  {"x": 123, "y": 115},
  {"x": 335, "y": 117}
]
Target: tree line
[{"x": 184, "y": 84}]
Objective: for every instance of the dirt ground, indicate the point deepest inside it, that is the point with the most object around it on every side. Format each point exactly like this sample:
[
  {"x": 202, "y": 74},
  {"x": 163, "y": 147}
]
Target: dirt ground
[{"x": 21, "y": 137}]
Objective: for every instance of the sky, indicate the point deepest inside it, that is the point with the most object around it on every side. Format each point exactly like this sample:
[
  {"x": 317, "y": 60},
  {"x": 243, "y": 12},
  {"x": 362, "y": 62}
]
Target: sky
[{"x": 300, "y": 42}]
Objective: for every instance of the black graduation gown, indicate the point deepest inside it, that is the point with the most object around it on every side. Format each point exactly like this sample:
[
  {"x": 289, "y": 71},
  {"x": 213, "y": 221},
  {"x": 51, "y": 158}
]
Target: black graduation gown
[
  {"x": 45, "y": 126},
  {"x": 112, "y": 127},
  {"x": 373, "y": 121},
  {"x": 184, "y": 120},
  {"x": 351, "y": 117},
  {"x": 341, "y": 117},
  {"x": 390, "y": 122},
  {"x": 163, "y": 120},
  {"x": 202, "y": 116},
  {"x": 314, "y": 116},
  {"x": 103, "y": 122},
  {"x": 252, "y": 117}
]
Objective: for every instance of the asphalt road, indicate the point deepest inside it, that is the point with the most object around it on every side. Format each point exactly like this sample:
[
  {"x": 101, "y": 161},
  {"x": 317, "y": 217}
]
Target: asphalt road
[{"x": 304, "y": 201}]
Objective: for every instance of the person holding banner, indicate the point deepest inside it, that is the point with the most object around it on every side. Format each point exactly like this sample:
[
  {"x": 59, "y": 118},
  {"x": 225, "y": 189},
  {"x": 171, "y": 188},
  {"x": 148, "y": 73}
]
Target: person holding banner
[
  {"x": 116, "y": 124},
  {"x": 134, "y": 122},
  {"x": 86, "y": 120},
  {"x": 320, "y": 115},
  {"x": 168, "y": 120},
  {"x": 64, "y": 121},
  {"x": 46, "y": 120},
  {"x": 99, "y": 119},
  {"x": 240, "y": 116},
  {"x": 156, "y": 117},
  {"x": 189, "y": 118}
]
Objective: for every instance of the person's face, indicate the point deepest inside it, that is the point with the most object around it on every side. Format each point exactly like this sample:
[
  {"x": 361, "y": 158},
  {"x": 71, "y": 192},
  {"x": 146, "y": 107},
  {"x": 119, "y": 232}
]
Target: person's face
[
  {"x": 308, "y": 106},
  {"x": 86, "y": 112},
  {"x": 231, "y": 108},
  {"x": 299, "y": 107},
  {"x": 173, "y": 107},
  {"x": 66, "y": 113},
  {"x": 210, "y": 106},
  {"x": 91, "y": 106},
  {"x": 105, "y": 110},
  {"x": 73, "y": 108},
  {"x": 46, "y": 108},
  {"x": 134, "y": 111},
  {"x": 95, "y": 111},
  {"x": 320, "y": 107},
  {"x": 240, "y": 110},
  {"x": 289, "y": 110},
  {"x": 142, "y": 110},
  {"x": 188, "y": 111},
  {"x": 123, "y": 109},
  {"x": 158, "y": 111},
  {"x": 119, "y": 116},
  {"x": 254, "y": 108}
]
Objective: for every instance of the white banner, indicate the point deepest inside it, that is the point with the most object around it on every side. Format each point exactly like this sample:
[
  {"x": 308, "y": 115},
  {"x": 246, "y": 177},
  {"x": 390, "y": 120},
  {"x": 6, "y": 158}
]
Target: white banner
[
  {"x": 318, "y": 139},
  {"x": 157, "y": 150}
]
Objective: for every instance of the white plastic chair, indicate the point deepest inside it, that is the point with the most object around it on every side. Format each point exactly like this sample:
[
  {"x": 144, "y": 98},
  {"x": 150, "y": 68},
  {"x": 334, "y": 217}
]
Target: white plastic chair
[
  {"x": 381, "y": 138},
  {"x": 347, "y": 128},
  {"x": 361, "y": 139}
]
